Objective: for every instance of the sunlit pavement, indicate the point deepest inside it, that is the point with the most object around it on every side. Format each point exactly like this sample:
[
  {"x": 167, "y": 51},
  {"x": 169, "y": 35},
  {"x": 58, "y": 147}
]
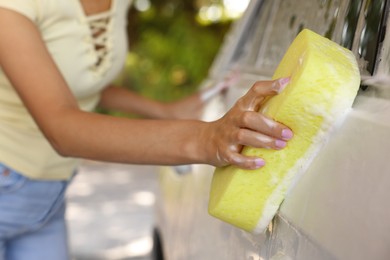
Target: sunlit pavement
[{"x": 110, "y": 212}]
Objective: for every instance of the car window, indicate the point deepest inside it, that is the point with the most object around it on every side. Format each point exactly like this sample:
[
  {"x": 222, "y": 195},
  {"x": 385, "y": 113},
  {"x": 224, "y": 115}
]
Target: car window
[
  {"x": 372, "y": 33},
  {"x": 248, "y": 51},
  {"x": 277, "y": 24},
  {"x": 290, "y": 18},
  {"x": 355, "y": 24},
  {"x": 378, "y": 62}
]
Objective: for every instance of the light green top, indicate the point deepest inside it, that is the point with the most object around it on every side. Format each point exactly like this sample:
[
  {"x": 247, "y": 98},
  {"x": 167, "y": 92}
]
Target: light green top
[{"x": 67, "y": 32}]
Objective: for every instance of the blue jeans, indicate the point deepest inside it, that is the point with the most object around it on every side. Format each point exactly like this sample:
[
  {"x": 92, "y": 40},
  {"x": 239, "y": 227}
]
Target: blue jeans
[{"x": 32, "y": 222}]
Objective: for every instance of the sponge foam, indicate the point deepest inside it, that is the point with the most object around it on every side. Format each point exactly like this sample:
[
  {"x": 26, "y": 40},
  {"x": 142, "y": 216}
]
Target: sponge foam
[{"x": 324, "y": 82}]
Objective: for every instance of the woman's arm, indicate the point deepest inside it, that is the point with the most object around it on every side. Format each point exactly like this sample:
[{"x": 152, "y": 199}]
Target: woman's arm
[
  {"x": 72, "y": 132},
  {"x": 124, "y": 100},
  {"x": 191, "y": 107}
]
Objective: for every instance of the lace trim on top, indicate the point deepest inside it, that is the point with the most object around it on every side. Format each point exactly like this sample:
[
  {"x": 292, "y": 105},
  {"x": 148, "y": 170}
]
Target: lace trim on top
[{"x": 100, "y": 39}]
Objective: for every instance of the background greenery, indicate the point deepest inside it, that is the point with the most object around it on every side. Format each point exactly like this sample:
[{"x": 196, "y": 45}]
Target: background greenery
[{"x": 171, "y": 46}]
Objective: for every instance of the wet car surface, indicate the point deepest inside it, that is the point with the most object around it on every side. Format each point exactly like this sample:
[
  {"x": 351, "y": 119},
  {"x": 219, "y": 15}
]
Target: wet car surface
[{"x": 338, "y": 208}]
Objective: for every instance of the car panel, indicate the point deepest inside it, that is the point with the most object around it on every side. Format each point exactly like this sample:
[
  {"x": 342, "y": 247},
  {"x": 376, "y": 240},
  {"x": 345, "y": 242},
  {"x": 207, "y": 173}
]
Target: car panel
[{"x": 336, "y": 209}]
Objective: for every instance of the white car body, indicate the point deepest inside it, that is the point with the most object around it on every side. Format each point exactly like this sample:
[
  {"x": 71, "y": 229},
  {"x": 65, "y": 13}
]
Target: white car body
[{"x": 338, "y": 209}]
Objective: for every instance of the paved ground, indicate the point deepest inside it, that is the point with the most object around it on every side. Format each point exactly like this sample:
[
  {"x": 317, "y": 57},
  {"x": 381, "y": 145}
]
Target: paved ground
[{"x": 110, "y": 212}]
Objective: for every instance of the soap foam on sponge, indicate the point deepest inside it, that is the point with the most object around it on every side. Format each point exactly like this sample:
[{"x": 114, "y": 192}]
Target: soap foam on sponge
[{"x": 324, "y": 80}]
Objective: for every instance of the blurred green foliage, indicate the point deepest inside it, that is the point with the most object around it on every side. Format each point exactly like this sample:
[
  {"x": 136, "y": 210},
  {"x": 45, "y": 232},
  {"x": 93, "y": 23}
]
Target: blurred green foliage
[{"x": 170, "y": 52}]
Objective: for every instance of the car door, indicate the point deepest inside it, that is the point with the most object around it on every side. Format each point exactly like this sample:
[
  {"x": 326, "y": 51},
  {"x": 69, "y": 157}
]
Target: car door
[{"x": 336, "y": 210}]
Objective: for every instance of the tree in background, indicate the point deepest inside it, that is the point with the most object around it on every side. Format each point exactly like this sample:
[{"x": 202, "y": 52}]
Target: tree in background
[{"x": 172, "y": 45}]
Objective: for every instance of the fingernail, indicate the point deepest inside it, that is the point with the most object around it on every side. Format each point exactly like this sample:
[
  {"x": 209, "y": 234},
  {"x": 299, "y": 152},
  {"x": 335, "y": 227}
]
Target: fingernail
[
  {"x": 284, "y": 81},
  {"x": 287, "y": 134},
  {"x": 280, "y": 144},
  {"x": 271, "y": 124},
  {"x": 259, "y": 162},
  {"x": 281, "y": 84}
]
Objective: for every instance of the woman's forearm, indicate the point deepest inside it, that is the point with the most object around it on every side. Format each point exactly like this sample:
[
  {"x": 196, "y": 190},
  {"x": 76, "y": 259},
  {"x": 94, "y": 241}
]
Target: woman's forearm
[
  {"x": 121, "y": 99},
  {"x": 106, "y": 138},
  {"x": 124, "y": 100}
]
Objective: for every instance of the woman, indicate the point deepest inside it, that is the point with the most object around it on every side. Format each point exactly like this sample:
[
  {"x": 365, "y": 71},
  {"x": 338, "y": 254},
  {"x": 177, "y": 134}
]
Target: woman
[{"x": 57, "y": 60}]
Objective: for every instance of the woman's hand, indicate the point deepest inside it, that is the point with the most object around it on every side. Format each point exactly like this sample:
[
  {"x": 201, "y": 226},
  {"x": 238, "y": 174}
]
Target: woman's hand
[
  {"x": 192, "y": 107},
  {"x": 244, "y": 126}
]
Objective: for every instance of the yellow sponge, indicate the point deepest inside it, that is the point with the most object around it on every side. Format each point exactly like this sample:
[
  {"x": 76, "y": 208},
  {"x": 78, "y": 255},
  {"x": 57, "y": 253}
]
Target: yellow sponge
[{"x": 324, "y": 82}]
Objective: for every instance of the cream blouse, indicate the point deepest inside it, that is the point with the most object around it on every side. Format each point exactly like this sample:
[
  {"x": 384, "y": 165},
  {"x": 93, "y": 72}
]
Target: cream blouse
[{"x": 68, "y": 34}]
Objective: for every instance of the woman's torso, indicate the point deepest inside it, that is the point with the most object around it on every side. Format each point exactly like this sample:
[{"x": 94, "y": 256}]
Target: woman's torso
[{"x": 87, "y": 62}]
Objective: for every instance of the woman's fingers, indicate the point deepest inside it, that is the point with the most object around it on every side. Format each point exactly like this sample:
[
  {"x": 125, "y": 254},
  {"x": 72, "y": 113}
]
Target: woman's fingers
[
  {"x": 244, "y": 126},
  {"x": 259, "y": 123},
  {"x": 245, "y": 162},
  {"x": 259, "y": 91},
  {"x": 258, "y": 140}
]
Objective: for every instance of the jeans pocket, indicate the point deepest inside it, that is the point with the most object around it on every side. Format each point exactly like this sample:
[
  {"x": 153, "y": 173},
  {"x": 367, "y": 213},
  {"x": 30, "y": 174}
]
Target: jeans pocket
[
  {"x": 26, "y": 202},
  {"x": 10, "y": 180}
]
